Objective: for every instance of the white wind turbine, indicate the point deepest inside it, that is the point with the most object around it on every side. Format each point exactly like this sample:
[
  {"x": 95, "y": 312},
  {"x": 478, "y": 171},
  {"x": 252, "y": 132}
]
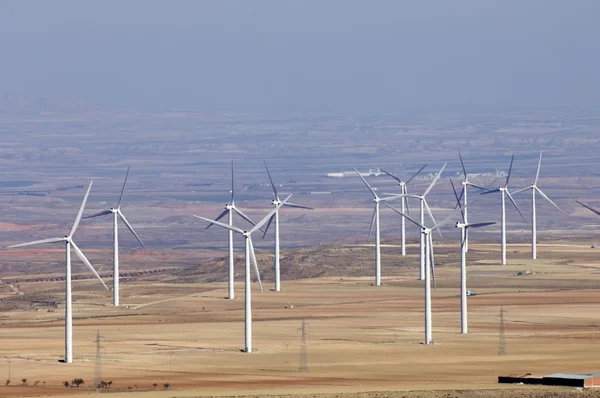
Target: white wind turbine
[
  {"x": 503, "y": 193},
  {"x": 464, "y": 227},
  {"x": 465, "y": 184},
  {"x": 116, "y": 214},
  {"x": 534, "y": 188},
  {"x": 275, "y": 203},
  {"x": 429, "y": 266},
  {"x": 229, "y": 210},
  {"x": 69, "y": 243},
  {"x": 249, "y": 255},
  {"x": 404, "y": 204},
  {"x": 424, "y": 206}
]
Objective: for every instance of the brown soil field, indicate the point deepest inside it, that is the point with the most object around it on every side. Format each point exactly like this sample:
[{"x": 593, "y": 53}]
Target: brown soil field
[{"x": 363, "y": 341}]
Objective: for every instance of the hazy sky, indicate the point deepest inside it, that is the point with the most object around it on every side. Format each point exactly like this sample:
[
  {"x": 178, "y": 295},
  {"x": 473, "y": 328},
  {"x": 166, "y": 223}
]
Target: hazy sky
[{"x": 296, "y": 56}]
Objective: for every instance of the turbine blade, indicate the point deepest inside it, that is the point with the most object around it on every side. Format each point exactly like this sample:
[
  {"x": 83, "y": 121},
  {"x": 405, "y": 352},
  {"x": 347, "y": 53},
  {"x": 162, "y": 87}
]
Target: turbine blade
[
  {"x": 372, "y": 223},
  {"x": 218, "y": 218},
  {"x": 130, "y": 228},
  {"x": 102, "y": 213},
  {"x": 480, "y": 224},
  {"x": 268, "y": 216},
  {"x": 589, "y": 207},
  {"x": 123, "y": 190},
  {"x": 245, "y": 217},
  {"x": 416, "y": 174},
  {"x": 268, "y": 224},
  {"x": 446, "y": 220},
  {"x": 405, "y": 216},
  {"x": 509, "y": 170},
  {"x": 428, "y": 209},
  {"x": 254, "y": 263},
  {"x": 272, "y": 183},
  {"x": 366, "y": 183},
  {"x": 391, "y": 175},
  {"x": 490, "y": 191},
  {"x": 477, "y": 187},
  {"x": 298, "y": 206},
  {"x": 87, "y": 263},
  {"x": 515, "y": 204},
  {"x": 232, "y": 186},
  {"x": 547, "y": 198},
  {"x": 78, "y": 219},
  {"x": 463, "y": 165},
  {"x": 398, "y": 196},
  {"x": 437, "y": 177},
  {"x": 458, "y": 204},
  {"x": 38, "y": 242},
  {"x": 521, "y": 190},
  {"x": 220, "y": 224},
  {"x": 537, "y": 175}
]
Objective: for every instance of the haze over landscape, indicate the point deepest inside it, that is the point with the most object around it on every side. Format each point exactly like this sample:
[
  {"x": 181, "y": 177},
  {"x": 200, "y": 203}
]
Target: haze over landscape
[{"x": 179, "y": 90}]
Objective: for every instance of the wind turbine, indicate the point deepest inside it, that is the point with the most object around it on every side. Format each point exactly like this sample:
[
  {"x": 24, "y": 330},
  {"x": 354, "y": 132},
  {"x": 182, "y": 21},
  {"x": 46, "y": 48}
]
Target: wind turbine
[
  {"x": 429, "y": 266},
  {"x": 249, "y": 254},
  {"x": 229, "y": 210},
  {"x": 464, "y": 228},
  {"x": 116, "y": 214},
  {"x": 275, "y": 203},
  {"x": 465, "y": 184},
  {"x": 424, "y": 206},
  {"x": 404, "y": 203},
  {"x": 534, "y": 188},
  {"x": 503, "y": 193},
  {"x": 69, "y": 243}
]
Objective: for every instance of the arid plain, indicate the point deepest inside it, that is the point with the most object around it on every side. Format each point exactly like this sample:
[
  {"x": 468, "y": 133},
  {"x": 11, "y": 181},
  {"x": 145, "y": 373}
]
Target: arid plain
[
  {"x": 176, "y": 327},
  {"x": 360, "y": 337}
]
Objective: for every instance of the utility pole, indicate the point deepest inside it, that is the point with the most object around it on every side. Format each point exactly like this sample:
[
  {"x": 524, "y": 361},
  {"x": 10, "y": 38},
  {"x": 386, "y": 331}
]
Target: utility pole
[
  {"x": 98, "y": 369},
  {"x": 502, "y": 340},
  {"x": 287, "y": 343},
  {"x": 9, "y": 369},
  {"x": 303, "y": 365}
]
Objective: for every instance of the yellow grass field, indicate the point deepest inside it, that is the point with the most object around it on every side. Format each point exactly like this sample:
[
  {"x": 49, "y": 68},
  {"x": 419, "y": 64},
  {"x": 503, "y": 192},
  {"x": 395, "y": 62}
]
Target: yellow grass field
[{"x": 361, "y": 339}]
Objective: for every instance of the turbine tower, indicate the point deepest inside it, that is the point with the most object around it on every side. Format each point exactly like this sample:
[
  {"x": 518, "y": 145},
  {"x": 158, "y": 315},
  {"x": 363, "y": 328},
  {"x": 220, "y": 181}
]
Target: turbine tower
[
  {"x": 249, "y": 255},
  {"x": 534, "y": 188},
  {"x": 275, "y": 203},
  {"x": 424, "y": 206},
  {"x": 116, "y": 213},
  {"x": 429, "y": 266},
  {"x": 229, "y": 210},
  {"x": 404, "y": 204},
  {"x": 465, "y": 184},
  {"x": 503, "y": 193},
  {"x": 69, "y": 244},
  {"x": 464, "y": 228}
]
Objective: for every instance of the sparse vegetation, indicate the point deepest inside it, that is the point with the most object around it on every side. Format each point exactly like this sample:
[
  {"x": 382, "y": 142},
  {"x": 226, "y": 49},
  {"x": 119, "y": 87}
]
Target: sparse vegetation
[
  {"x": 77, "y": 382},
  {"x": 66, "y": 384},
  {"x": 167, "y": 386},
  {"x": 7, "y": 383},
  {"x": 24, "y": 381}
]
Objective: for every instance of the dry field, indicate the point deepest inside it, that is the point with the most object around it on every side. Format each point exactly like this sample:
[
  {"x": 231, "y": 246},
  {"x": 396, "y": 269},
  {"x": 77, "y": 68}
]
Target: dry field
[{"x": 360, "y": 338}]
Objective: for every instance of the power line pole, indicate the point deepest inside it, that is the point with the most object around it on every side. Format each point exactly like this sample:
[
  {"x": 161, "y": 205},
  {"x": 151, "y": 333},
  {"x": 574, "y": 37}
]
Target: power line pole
[
  {"x": 502, "y": 340},
  {"x": 287, "y": 343},
  {"x": 303, "y": 365},
  {"x": 9, "y": 369},
  {"x": 98, "y": 369}
]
